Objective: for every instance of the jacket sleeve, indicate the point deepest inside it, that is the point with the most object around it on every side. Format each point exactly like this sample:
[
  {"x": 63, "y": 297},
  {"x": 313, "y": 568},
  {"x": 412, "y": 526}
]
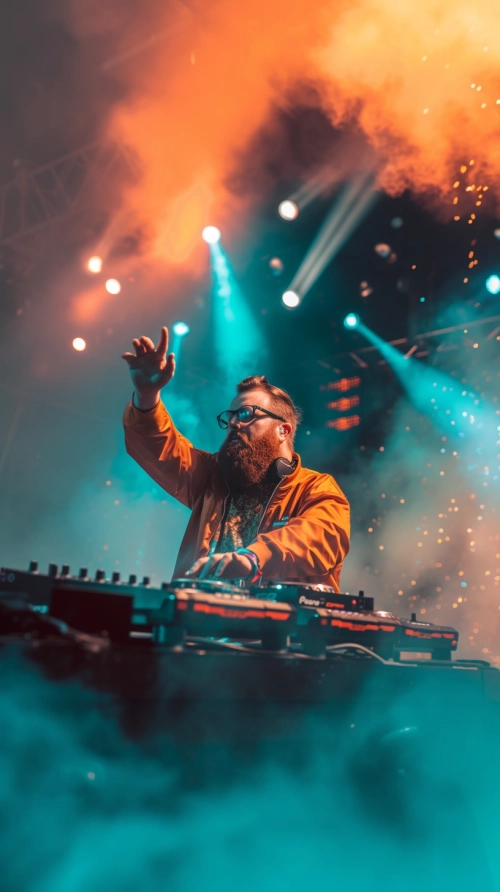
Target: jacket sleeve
[
  {"x": 312, "y": 543},
  {"x": 152, "y": 439}
]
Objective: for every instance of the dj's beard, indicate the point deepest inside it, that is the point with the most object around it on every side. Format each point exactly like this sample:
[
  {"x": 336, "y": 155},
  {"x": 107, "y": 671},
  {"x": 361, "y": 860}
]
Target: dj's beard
[{"x": 246, "y": 462}]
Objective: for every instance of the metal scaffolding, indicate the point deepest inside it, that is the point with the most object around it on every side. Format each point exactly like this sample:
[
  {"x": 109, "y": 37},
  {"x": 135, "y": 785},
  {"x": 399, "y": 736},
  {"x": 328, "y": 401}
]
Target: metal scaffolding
[{"x": 37, "y": 198}]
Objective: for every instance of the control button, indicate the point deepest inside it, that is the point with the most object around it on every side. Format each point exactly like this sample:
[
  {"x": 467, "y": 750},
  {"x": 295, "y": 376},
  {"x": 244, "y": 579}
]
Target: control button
[
  {"x": 83, "y": 573},
  {"x": 65, "y": 570},
  {"x": 33, "y": 567},
  {"x": 115, "y": 577},
  {"x": 100, "y": 576},
  {"x": 132, "y": 579},
  {"x": 52, "y": 570},
  {"x": 146, "y": 580}
]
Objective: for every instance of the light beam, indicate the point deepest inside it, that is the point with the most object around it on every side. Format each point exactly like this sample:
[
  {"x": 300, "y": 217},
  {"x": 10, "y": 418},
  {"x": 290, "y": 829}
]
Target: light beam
[{"x": 355, "y": 202}]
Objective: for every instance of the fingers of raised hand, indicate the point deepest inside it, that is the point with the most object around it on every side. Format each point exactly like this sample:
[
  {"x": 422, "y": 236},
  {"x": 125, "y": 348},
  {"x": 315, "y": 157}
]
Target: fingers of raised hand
[
  {"x": 147, "y": 343},
  {"x": 163, "y": 342},
  {"x": 129, "y": 357},
  {"x": 139, "y": 348},
  {"x": 170, "y": 365}
]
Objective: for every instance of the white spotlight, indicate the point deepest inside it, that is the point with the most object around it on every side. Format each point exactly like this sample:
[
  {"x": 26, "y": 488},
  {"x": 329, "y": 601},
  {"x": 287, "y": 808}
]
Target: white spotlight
[
  {"x": 291, "y": 299},
  {"x": 288, "y": 210},
  {"x": 113, "y": 286},
  {"x": 79, "y": 344},
  {"x": 94, "y": 264},
  {"x": 211, "y": 234}
]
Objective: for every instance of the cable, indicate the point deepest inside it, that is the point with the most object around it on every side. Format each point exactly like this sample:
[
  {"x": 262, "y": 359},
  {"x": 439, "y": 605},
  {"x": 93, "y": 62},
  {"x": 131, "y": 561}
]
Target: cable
[{"x": 358, "y": 647}]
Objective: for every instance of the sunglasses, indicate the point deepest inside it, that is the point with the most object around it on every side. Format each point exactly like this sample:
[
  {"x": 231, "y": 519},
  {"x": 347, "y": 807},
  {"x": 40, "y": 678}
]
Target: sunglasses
[{"x": 244, "y": 414}]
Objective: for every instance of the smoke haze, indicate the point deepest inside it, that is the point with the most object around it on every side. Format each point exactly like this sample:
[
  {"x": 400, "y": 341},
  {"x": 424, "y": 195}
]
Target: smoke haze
[{"x": 203, "y": 89}]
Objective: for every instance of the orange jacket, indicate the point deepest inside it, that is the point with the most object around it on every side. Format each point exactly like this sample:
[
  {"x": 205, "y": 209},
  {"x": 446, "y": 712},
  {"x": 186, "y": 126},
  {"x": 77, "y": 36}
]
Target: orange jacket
[{"x": 304, "y": 533}]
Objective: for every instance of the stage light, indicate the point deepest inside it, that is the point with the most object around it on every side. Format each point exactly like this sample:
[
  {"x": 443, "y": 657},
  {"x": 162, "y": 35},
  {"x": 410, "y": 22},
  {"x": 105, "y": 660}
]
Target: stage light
[
  {"x": 351, "y": 320},
  {"x": 290, "y": 299},
  {"x": 113, "y": 286},
  {"x": 354, "y": 202},
  {"x": 94, "y": 264},
  {"x": 288, "y": 210},
  {"x": 383, "y": 250},
  {"x": 211, "y": 235},
  {"x": 79, "y": 344},
  {"x": 493, "y": 284},
  {"x": 180, "y": 329},
  {"x": 276, "y": 266}
]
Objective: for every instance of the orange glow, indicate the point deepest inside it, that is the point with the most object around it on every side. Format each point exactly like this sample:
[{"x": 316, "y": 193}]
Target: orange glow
[
  {"x": 344, "y": 403},
  {"x": 94, "y": 264},
  {"x": 89, "y": 304},
  {"x": 401, "y": 73},
  {"x": 343, "y": 384},
  {"x": 344, "y": 424}
]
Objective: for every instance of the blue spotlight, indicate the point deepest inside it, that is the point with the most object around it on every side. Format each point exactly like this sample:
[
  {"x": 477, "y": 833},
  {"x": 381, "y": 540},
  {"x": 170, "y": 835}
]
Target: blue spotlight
[
  {"x": 211, "y": 235},
  {"x": 351, "y": 320},
  {"x": 493, "y": 284},
  {"x": 239, "y": 342},
  {"x": 180, "y": 329}
]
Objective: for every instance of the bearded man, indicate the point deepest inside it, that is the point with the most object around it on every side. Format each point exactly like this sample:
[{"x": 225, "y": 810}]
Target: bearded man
[{"x": 257, "y": 514}]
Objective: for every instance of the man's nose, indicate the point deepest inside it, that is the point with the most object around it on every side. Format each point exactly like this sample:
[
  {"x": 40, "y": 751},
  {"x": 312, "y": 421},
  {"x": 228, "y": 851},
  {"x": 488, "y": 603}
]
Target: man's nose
[{"x": 235, "y": 422}]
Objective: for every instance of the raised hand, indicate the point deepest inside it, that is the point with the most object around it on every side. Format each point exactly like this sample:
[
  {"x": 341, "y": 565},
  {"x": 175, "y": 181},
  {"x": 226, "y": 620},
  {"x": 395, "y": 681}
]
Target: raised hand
[{"x": 150, "y": 368}]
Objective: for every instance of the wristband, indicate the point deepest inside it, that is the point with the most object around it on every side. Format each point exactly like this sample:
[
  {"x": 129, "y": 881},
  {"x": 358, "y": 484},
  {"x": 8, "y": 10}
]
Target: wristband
[
  {"x": 257, "y": 572},
  {"x": 143, "y": 410}
]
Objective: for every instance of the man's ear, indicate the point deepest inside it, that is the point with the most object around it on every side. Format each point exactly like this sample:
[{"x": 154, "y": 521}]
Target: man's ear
[{"x": 285, "y": 430}]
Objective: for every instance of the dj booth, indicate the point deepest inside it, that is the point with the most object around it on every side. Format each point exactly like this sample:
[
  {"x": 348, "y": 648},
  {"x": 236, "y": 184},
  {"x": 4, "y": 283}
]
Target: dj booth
[{"x": 212, "y": 658}]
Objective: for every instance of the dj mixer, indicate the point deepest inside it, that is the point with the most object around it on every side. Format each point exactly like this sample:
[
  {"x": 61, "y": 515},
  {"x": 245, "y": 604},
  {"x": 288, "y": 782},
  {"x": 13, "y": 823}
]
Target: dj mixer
[{"x": 277, "y": 616}]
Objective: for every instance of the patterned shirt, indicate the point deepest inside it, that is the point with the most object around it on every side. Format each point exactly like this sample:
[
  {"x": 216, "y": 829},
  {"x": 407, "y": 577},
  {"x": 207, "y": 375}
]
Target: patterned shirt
[{"x": 243, "y": 517}]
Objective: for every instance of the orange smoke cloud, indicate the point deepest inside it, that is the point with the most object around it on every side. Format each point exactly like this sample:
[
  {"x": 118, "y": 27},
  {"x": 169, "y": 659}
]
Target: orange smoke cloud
[
  {"x": 425, "y": 78},
  {"x": 421, "y": 80},
  {"x": 200, "y": 101}
]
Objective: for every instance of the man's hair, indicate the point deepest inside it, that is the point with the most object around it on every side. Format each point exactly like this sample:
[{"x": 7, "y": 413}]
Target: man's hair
[{"x": 282, "y": 403}]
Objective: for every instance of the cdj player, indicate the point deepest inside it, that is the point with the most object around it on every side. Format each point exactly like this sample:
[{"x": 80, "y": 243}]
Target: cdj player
[{"x": 277, "y": 616}]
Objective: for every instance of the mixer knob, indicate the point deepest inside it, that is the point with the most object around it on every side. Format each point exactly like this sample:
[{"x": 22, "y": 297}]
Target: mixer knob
[
  {"x": 413, "y": 617},
  {"x": 83, "y": 573},
  {"x": 115, "y": 577},
  {"x": 33, "y": 567},
  {"x": 65, "y": 570},
  {"x": 165, "y": 585},
  {"x": 52, "y": 570},
  {"x": 132, "y": 579},
  {"x": 100, "y": 576},
  {"x": 146, "y": 580}
]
